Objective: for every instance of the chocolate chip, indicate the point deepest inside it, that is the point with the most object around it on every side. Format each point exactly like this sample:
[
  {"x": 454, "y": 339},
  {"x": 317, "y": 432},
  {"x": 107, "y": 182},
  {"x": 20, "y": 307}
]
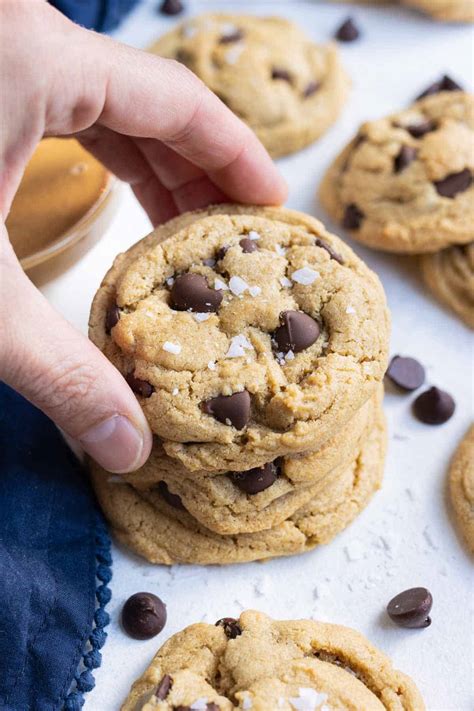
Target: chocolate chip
[
  {"x": 231, "y": 627},
  {"x": 220, "y": 254},
  {"x": 164, "y": 687},
  {"x": 234, "y": 36},
  {"x": 406, "y": 155},
  {"x": 140, "y": 387},
  {"x": 172, "y": 499},
  {"x": 417, "y": 130},
  {"x": 406, "y": 372},
  {"x": 411, "y": 608},
  {"x": 278, "y": 73},
  {"x": 453, "y": 184},
  {"x": 171, "y": 7},
  {"x": 211, "y": 706},
  {"x": 192, "y": 292},
  {"x": 143, "y": 615},
  {"x": 255, "y": 480},
  {"x": 112, "y": 318},
  {"x": 348, "y": 31},
  {"x": 352, "y": 217},
  {"x": 297, "y": 332},
  {"x": 248, "y": 245},
  {"x": 434, "y": 406},
  {"x": 443, "y": 84},
  {"x": 229, "y": 409},
  {"x": 324, "y": 245},
  {"x": 311, "y": 88}
]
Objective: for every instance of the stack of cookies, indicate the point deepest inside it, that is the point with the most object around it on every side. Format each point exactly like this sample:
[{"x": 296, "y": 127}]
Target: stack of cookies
[
  {"x": 405, "y": 184},
  {"x": 256, "y": 343}
]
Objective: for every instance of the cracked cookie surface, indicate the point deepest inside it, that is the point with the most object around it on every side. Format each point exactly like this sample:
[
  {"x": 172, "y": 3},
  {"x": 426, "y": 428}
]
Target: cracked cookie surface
[
  {"x": 461, "y": 487},
  {"x": 450, "y": 276},
  {"x": 295, "y": 345},
  {"x": 405, "y": 182},
  {"x": 165, "y": 533},
  {"x": 286, "y": 88},
  {"x": 245, "y": 502},
  {"x": 261, "y": 664}
]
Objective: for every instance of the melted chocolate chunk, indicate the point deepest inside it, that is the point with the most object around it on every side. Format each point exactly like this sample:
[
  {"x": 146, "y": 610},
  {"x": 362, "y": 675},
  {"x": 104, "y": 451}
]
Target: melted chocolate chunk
[
  {"x": 112, "y": 318},
  {"x": 453, "y": 184},
  {"x": 417, "y": 130},
  {"x": 172, "y": 499},
  {"x": 353, "y": 217},
  {"x": 297, "y": 332},
  {"x": 324, "y": 245},
  {"x": 311, "y": 88},
  {"x": 140, "y": 387},
  {"x": 258, "y": 479},
  {"x": 231, "y": 627},
  {"x": 164, "y": 687},
  {"x": 406, "y": 155},
  {"x": 229, "y": 409},
  {"x": 191, "y": 292},
  {"x": 248, "y": 245},
  {"x": 278, "y": 73}
]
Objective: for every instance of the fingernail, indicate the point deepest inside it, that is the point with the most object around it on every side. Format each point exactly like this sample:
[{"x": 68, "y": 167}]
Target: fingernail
[{"x": 115, "y": 444}]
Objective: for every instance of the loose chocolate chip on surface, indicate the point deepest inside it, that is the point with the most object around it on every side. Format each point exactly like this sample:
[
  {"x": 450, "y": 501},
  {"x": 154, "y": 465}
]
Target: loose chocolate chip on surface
[
  {"x": 417, "y": 130},
  {"x": 297, "y": 332},
  {"x": 172, "y": 499},
  {"x": 406, "y": 372},
  {"x": 231, "y": 627},
  {"x": 248, "y": 245},
  {"x": 443, "y": 84},
  {"x": 348, "y": 31},
  {"x": 164, "y": 687},
  {"x": 406, "y": 155},
  {"x": 171, "y": 7},
  {"x": 229, "y": 409},
  {"x": 352, "y": 217},
  {"x": 192, "y": 292},
  {"x": 311, "y": 89},
  {"x": 453, "y": 184},
  {"x": 324, "y": 245},
  {"x": 112, "y": 318},
  {"x": 140, "y": 387},
  {"x": 411, "y": 608},
  {"x": 234, "y": 36},
  {"x": 258, "y": 479},
  {"x": 143, "y": 615},
  {"x": 434, "y": 406},
  {"x": 278, "y": 73}
]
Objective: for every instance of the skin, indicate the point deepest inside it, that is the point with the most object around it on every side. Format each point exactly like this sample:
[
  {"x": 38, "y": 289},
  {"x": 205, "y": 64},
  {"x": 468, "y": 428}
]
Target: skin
[{"x": 156, "y": 126}]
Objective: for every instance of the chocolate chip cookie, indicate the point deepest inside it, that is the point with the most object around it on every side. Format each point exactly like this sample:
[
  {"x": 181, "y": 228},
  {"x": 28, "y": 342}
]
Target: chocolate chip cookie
[
  {"x": 241, "y": 354},
  {"x": 450, "y": 276},
  {"x": 461, "y": 487},
  {"x": 448, "y": 10},
  {"x": 259, "y": 664},
  {"x": 405, "y": 182},
  {"x": 258, "y": 499},
  {"x": 162, "y": 531},
  {"x": 267, "y": 71}
]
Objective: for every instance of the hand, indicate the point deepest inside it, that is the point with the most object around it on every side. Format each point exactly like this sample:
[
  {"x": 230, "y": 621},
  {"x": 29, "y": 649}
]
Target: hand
[{"x": 156, "y": 126}]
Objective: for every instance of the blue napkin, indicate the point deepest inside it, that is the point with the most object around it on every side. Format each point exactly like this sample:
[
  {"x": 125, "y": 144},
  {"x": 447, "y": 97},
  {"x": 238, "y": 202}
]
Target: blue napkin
[
  {"x": 100, "y": 15},
  {"x": 54, "y": 566}
]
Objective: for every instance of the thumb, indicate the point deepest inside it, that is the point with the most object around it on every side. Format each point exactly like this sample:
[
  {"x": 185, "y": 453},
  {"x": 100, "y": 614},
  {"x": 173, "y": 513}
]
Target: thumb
[{"x": 61, "y": 372}]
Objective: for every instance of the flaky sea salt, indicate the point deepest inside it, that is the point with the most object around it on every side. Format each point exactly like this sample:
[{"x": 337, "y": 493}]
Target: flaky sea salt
[
  {"x": 284, "y": 281},
  {"x": 232, "y": 56},
  {"x": 170, "y": 281},
  {"x": 305, "y": 276},
  {"x": 350, "y": 310},
  {"x": 175, "y": 391},
  {"x": 237, "y": 285},
  {"x": 280, "y": 250},
  {"x": 254, "y": 290},
  {"x": 199, "y": 705},
  {"x": 246, "y": 703},
  {"x": 220, "y": 285},
  {"x": 253, "y": 235},
  {"x": 211, "y": 365},
  {"x": 170, "y": 347},
  {"x": 307, "y": 699},
  {"x": 201, "y": 316},
  {"x": 238, "y": 345}
]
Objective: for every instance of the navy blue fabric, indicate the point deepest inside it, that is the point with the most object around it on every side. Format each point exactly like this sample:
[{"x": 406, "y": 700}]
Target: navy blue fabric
[
  {"x": 100, "y": 15},
  {"x": 48, "y": 521}
]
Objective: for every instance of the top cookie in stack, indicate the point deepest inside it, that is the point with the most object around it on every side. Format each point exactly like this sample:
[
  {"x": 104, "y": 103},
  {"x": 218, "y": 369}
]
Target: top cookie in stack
[
  {"x": 247, "y": 334},
  {"x": 286, "y": 88}
]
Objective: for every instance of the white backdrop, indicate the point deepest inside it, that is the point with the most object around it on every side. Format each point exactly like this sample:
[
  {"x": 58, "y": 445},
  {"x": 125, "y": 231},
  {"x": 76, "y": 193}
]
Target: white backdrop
[{"x": 405, "y": 538}]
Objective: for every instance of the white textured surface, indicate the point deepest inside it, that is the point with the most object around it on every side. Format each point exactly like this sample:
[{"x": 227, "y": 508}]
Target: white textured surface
[{"x": 405, "y": 537}]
